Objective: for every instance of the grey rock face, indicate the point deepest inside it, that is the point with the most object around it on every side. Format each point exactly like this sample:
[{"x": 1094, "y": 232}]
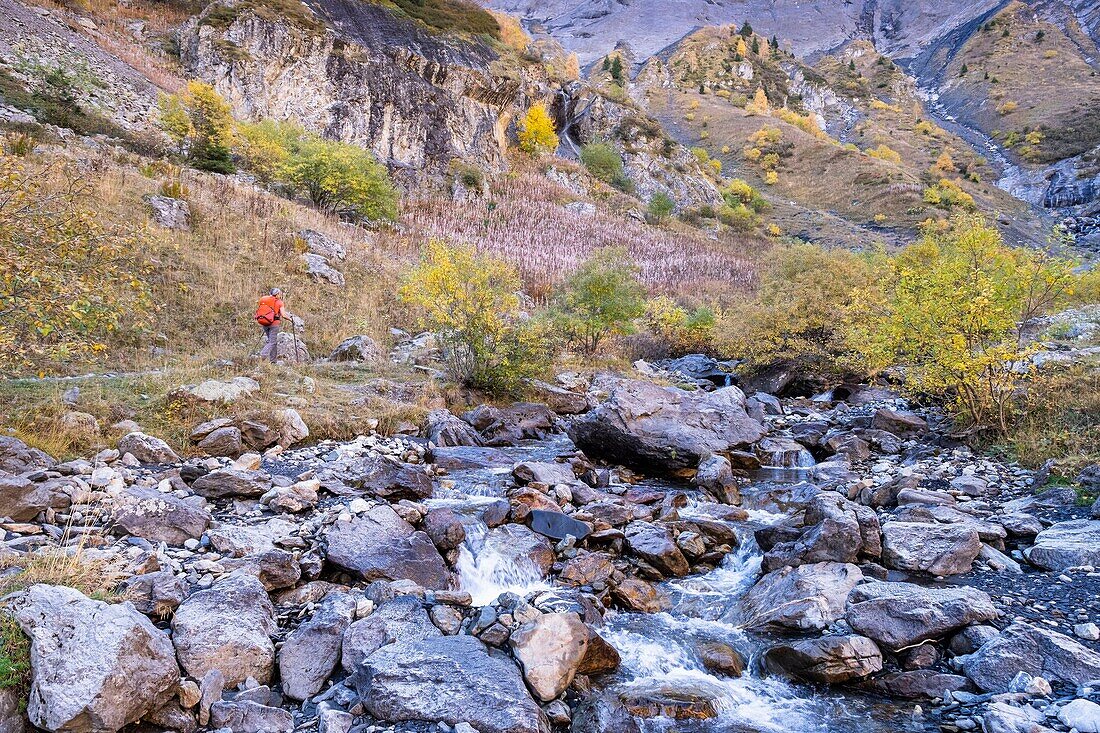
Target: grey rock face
[
  {"x": 399, "y": 619},
  {"x": 938, "y": 549},
  {"x": 379, "y": 545},
  {"x": 663, "y": 428},
  {"x": 806, "y": 598},
  {"x": 829, "y": 659},
  {"x": 550, "y": 650},
  {"x": 312, "y": 651},
  {"x": 94, "y": 666},
  {"x": 1039, "y": 652},
  {"x": 169, "y": 213},
  {"x": 898, "y": 615},
  {"x": 452, "y": 678},
  {"x": 159, "y": 517},
  {"x": 227, "y": 628},
  {"x": 1066, "y": 544},
  {"x": 147, "y": 448}
]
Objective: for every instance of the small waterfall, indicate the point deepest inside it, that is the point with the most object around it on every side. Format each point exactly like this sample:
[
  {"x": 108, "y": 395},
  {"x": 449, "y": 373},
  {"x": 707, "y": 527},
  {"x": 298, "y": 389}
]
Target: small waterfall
[{"x": 484, "y": 572}]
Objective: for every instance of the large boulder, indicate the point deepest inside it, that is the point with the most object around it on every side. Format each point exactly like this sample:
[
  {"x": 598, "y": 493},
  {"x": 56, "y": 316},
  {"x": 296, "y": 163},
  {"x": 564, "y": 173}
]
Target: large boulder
[
  {"x": 453, "y": 679},
  {"x": 1037, "y": 651},
  {"x": 550, "y": 649},
  {"x": 902, "y": 423},
  {"x": 94, "y": 666},
  {"x": 899, "y": 615},
  {"x": 379, "y": 545},
  {"x": 445, "y": 430},
  {"x": 168, "y": 212},
  {"x": 1067, "y": 544},
  {"x": 937, "y": 549},
  {"x": 213, "y": 391},
  {"x": 654, "y": 544},
  {"x": 519, "y": 546},
  {"x": 558, "y": 399},
  {"x": 311, "y": 652},
  {"x": 663, "y": 428},
  {"x": 500, "y": 426},
  {"x": 829, "y": 659},
  {"x": 227, "y": 628},
  {"x": 805, "y": 598},
  {"x": 21, "y": 499},
  {"x": 159, "y": 516},
  {"x": 358, "y": 349},
  {"x": 146, "y": 448},
  {"x": 399, "y": 619},
  {"x": 18, "y": 457},
  {"x": 389, "y": 479},
  {"x": 226, "y": 482},
  {"x": 832, "y": 529}
]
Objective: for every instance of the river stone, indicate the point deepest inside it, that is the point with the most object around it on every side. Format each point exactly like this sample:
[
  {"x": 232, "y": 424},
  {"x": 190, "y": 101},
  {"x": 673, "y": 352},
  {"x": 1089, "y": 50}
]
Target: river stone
[
  {"x": 227, "y": 628},
  {"x": 1037, "y": 651},
  {"x": 653, "y": 543},
  {"x": 469, "y": 458},
  {"x": 400, "y": 619},
  {"x": 379, "y": 545},
  {"x": 21, "y": 499},
  {"x": 806, "y": 598},
  {"x": 549, "y": 650},
  {"x": 937, "y": 549},
  {"x": 386, "y": 478},
  {"x": 445, "y": 528},
  {"x": 226, "y": 482},
  {"x": 311, "y": 652},
  {"x": 519, "y": 545},
  {"x": 829, "y": 659},
  {"x": 641, "y": 597},
  {"x": 1067, "y": 544},
  {"x": 18, "y": 457},
  {"x": 544, "y": 472},
  {"x": 902, "y": 423},
  {"x": 453, "y": 679},
  {"x": 158, "y": 516},
  {"x": 600, "y": 657},
  {"x": 446, "y": 430},
  {"x": 899, "y": 615},
  {"x": 663, "y": 428},
  {"x": 509, "y": 425},
  {"x": 833, "y": 530},
  {"x": 249, "y": 716},
  {"x": 602, "y": 714},
  {"x": 94, "y": 666},
  {"x": 556, "y": 525},
  {"x": 147, "y": 448},
  {"x": 224, "y": 441},
  {"x": 1082, "y": 715},
  {"x": 919, "y": 683}
]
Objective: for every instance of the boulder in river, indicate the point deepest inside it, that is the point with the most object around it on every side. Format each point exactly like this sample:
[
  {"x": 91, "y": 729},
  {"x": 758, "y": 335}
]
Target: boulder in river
[
  {"x": 937, "y": 549},
  {"x": 501, "y": 426},
  {"x": 832, "y": 529},
  {"x": 94, "y": 666},
  {"x": 446, "y": 430},
  {"x": 829, "y": 659},
  {"x": 550, "y": 649},
  {"x": 1039, "y": 652},
  {"x": 227, "y": 628},
  {"x": 380, "y": 545},
  {"x": 654, "y": 544},
  {"x": 806, "y": 598},
  {"x": 399, "y": 619},
  {"x": 453, "y": 679},
  {"x": 664, "y": 429},
  {"x": 898, "y": 615},
  {"x": 899, "y": 422}
]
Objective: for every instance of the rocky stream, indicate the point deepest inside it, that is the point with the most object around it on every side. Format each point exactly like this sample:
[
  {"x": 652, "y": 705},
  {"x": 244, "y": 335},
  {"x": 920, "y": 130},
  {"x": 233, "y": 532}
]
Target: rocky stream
[{"x": 638, "y": 558}]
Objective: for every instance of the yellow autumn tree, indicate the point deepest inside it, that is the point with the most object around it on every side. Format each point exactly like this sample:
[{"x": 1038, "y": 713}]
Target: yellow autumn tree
[
  {"x": 759, "y": 104},
  {"x": 742, "y": 48},
  {"x": 950, "y": 309},
  {"x": 471, "y": 302},
  {"x": 536, "y": 131},
  {"x": 200, "y": 122}
]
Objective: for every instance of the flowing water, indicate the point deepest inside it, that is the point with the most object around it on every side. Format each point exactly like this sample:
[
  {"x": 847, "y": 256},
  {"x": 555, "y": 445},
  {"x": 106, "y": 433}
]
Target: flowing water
[{"x": 660, "y": 652}]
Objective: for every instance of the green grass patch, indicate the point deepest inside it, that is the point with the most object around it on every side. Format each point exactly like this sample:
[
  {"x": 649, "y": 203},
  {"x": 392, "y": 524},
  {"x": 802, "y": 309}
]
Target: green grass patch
[
  {"x": 54, "y": 109},
  {"x": 450, "y": 16},
  {"x": 292, "y": 11},
  {"x": 15, "y": 657}
]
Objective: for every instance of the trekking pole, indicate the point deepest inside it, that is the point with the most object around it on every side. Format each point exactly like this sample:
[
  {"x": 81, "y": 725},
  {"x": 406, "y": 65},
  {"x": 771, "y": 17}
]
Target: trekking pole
[{"x": 294, "y": 331}]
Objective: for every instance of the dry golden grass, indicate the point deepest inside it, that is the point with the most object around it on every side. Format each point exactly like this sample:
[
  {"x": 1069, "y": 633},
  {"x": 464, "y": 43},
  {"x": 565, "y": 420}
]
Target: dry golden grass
[{"x": 94, "y": 577}]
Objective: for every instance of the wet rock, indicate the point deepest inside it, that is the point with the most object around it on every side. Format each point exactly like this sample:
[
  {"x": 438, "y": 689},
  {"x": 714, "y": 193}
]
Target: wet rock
[
  {"x": 899, "y": 422},
  {"x": 600, "y": 657},
  {"x": 602, "y": 714},
  {"x": 445, "y": 528},
  {"x": 467, "y": 458},
  {"x": 557, "y": 526},
  {"x": 446, "y": 430},
  {"x": 669, "y": 701},
  {"x": 247, "y": 716},
  {"x": 94, "y": 666},
  {"x": 664, "y": 429},
  {"x": 379, "y": 545},
  {"x": 227, "y": 628},
  {"x": 937, "y": 549},
  {"x": 311, "y": 652},
  {"x": 654, "y": 544},
  {"x": 832, "y": 529},
  {"x": 783, "y": 453},
  {"x": 500, "y": 426},
  {"x": 453, "y": 679},
  {"x": 544, "y": 472},
  {"x": 226, "y": 482},
  {"x": 898, "y": 615},
  {"x": 640, "y": 596},
  {"x": 399, "y": 619},
  {"x": 159, "y": 517},
  {"x": 1067, "y": 544},
  {"x": 1037, "y": 651},
  {"x": 722, "y": 659},
  {"x": 921, "y": 683},
  {"x": 147, "y": 448},
  {"x": 386, "y": 478},
  {"x": 549, "y": 650},
  {"x": 587, "y": 568},
  {"x": 21, "y": 500},
  {"x": 360, "y": 348},
  {"x": 828, "y": 660},
  {"x": 520, "y": 546},
  {"x": 809, "y": 597}
]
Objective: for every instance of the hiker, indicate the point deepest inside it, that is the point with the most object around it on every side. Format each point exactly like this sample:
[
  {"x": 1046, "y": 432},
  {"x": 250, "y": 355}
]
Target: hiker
[{"x": 270, "y": 314}]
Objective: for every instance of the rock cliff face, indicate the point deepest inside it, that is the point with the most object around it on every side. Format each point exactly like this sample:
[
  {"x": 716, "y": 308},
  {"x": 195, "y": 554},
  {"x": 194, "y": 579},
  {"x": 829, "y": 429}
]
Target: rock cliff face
[{"x": 358, "y": 73}]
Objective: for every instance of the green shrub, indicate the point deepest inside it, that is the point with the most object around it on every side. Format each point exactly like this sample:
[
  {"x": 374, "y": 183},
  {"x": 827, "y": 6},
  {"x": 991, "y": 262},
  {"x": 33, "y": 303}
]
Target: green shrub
[
  {"x": 604, "y": 162},
  {"x": 600, "y": 299},
  {"x": 660, "y": 207},
  {"x": 342, "y": 178}
]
